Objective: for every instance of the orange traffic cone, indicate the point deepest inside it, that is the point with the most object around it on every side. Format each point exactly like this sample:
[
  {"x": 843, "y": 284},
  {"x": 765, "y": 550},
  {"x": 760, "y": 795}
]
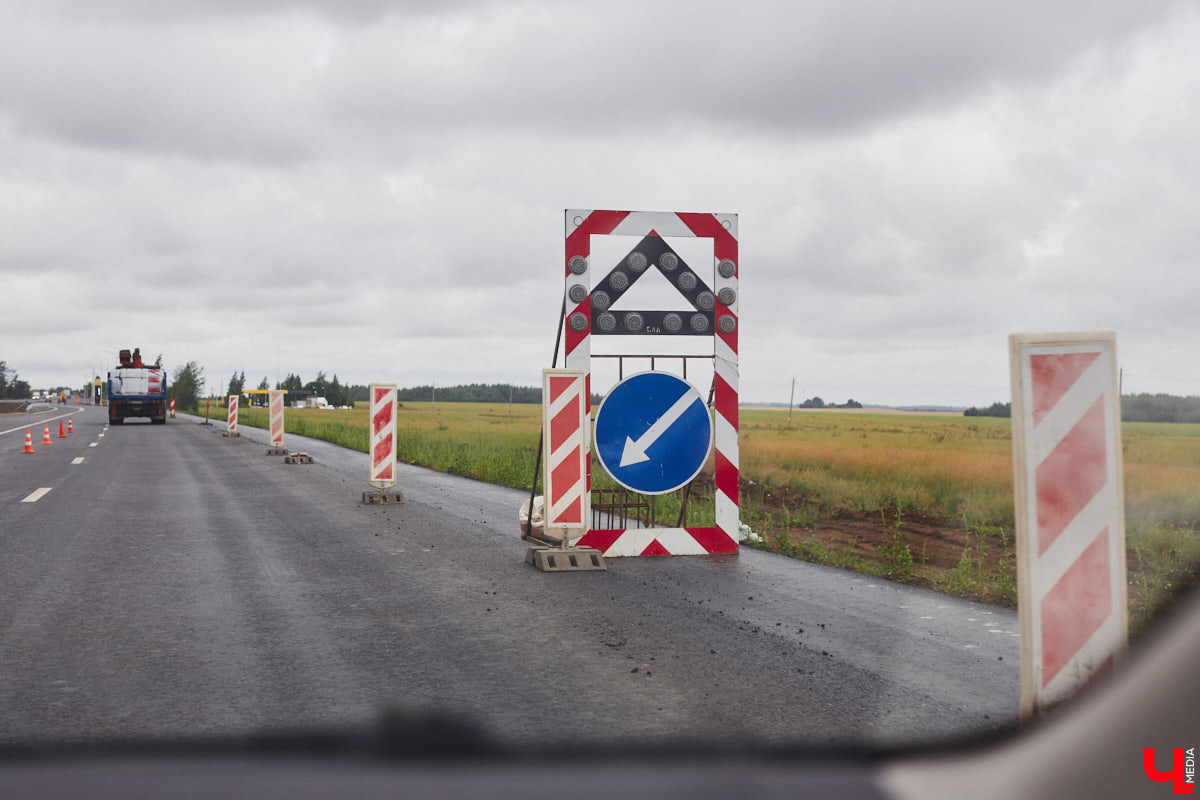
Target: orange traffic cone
[
  {"x": 46, "y": 436},
  {"x": 70, "y": 427},
  {"x": 28, "y": 442},
  {"x": 62, "y": 432}
]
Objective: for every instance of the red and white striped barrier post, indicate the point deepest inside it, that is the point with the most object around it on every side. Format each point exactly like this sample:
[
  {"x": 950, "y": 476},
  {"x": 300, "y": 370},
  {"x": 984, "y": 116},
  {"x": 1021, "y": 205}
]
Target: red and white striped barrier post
[
  {"x": 566, "y": 452},
  {"x": 275, "y": 423},
  {"x": 1067, "y": 482},
  {"x": 722, "y": 229},
  {"x": 171, "y": 406},
  {"x": 233, "y": 417},
  {"x": 381, "y": 444}
]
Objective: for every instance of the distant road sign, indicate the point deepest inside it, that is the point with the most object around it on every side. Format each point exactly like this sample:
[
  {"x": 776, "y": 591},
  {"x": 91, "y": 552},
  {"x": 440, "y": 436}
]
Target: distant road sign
[{"x": 653, "y": 432}]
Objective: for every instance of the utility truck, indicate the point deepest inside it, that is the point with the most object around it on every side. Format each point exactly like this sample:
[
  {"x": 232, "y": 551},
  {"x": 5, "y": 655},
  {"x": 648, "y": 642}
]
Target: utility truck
[{"x": 136, "y": 390}]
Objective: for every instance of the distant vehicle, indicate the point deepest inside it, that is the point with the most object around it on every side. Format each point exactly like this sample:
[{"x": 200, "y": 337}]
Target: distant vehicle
[{"x": 135, "y": 390}]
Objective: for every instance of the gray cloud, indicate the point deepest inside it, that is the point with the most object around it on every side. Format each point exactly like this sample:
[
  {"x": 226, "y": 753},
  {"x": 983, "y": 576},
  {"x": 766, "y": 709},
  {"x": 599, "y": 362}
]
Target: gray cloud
[{"x": 348, "y": 186}]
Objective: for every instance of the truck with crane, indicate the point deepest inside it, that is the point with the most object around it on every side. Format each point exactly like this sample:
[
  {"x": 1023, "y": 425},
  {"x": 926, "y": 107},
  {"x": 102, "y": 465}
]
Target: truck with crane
[{"x": 136, "y": 390}]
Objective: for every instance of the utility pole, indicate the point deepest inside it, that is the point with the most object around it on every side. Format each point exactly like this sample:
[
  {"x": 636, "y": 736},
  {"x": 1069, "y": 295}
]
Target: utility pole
[
  {"x": 1120, "y": 381},
  {"x": 791, "y": 401}
]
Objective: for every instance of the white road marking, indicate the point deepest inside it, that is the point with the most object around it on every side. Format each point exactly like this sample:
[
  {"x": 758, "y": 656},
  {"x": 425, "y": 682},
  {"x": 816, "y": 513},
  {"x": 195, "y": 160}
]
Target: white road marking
[
  {"x": 100, "y": 435},
  {"x": 78, "y": 460},
  {"x": 93, "y": 444},
  {"x": 37, "y": 495}
]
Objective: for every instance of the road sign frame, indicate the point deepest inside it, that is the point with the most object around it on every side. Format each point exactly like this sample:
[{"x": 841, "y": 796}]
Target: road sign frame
[
  {"x": 580, "y": 226},
  {"x": 688, "y": 472},
  {"x": 1069, "y": 502}
]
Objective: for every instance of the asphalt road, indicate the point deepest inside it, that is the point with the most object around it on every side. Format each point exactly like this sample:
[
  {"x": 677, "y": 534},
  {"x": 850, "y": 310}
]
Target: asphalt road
[{"x": 176, "y": 582}]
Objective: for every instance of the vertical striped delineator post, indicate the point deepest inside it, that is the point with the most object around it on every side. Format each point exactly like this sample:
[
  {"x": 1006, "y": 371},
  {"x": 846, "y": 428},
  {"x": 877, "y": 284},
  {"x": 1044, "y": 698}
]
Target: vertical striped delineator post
[
  {"x": 566, "y": 451},
  {"x": 580, "y": 226},
  {"x": 233, "y": 417},
  {"x": 381, "y": 444},
  {"x": 275, "y": 417},
  {"x": 1067, "y": 482},
  {"x": 275, "y": 423}
]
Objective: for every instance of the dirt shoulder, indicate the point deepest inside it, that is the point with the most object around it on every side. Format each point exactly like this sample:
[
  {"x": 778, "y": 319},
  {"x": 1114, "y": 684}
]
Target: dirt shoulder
[{"x": 909, "y": 546}]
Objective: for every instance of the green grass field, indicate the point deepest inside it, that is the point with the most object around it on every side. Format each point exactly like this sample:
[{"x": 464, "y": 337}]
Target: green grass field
[{"x": 893, "y": 485}]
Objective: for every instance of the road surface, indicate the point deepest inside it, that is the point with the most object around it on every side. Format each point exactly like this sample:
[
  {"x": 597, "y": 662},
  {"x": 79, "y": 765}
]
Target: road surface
[{"x": 173, "y": 581}]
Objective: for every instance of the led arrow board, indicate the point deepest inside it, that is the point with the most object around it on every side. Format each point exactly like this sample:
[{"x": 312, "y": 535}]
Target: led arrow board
[{"x": 653, "y": 432}]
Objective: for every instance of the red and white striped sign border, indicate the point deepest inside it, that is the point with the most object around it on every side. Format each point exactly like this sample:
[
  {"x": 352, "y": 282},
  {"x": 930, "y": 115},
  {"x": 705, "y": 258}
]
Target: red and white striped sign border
[
  {"x": 275, "y": 417},
  {"x": 567, "y": 450},
  {"x": 233, "y": 411},
  {"x": 382, "y": 445},
  {"x": 171, "y": 405},
  {"x": 1070, "y": 512},
  {"x": 581, "y": 226}
]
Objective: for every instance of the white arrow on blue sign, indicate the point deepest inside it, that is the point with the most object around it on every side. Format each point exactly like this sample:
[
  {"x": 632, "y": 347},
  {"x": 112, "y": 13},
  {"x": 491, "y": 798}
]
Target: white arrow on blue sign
[{"x": 653, "y": 432}]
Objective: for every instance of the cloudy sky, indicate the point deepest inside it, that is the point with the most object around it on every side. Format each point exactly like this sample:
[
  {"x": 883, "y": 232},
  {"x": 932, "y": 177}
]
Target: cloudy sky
[{"x": 376, "y": 189}]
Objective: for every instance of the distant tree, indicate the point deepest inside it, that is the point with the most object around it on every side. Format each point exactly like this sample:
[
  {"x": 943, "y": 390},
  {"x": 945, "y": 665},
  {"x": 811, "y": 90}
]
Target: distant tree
[
  {"x": 18, "y": 388},
  {"x": 851, "y": 403},
  {"x": 1159, "y": 408},
  {"x": 336, "y": 394},
  {"x": 187, "y": 386},
  {"x": 11, "y": 386},
  {"x": 813, "y": 402},
  {"x": 291, "y": 383},
  {"x": 264, "y": 384},
  {"x": 237, "y": 383},
  {"x": 996, "y": 409},
  {"x": 318, "y": 385}
]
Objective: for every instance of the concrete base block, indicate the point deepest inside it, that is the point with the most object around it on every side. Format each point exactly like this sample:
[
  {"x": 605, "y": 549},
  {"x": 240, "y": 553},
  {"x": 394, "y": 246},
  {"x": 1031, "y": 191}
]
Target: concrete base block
[
  {"x": 298, "y": 458},
  {"x": 277, "y": 451},
  {"x": 382, "y": 498},
  {"x": 570, "y": 559},
  {"x": 227, "y": 433}
]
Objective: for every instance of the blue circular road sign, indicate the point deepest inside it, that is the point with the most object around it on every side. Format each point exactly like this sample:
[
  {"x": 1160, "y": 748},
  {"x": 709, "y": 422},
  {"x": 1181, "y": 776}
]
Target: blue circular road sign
[{"x": 653, "y": 432}]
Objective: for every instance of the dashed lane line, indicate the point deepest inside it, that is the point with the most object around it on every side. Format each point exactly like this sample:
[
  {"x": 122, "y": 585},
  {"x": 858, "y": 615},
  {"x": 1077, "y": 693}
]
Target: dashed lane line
[
  {"x": 37, "y": 495},
  {"x": 77, "y": 460}
]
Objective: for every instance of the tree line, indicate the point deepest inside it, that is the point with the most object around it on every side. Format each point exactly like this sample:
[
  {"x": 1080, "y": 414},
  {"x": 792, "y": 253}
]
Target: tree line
[
  {"x": 1134, "y": 408},
  {"x": 472, "y": 393},
  {"x": 817, "y": 402}
]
